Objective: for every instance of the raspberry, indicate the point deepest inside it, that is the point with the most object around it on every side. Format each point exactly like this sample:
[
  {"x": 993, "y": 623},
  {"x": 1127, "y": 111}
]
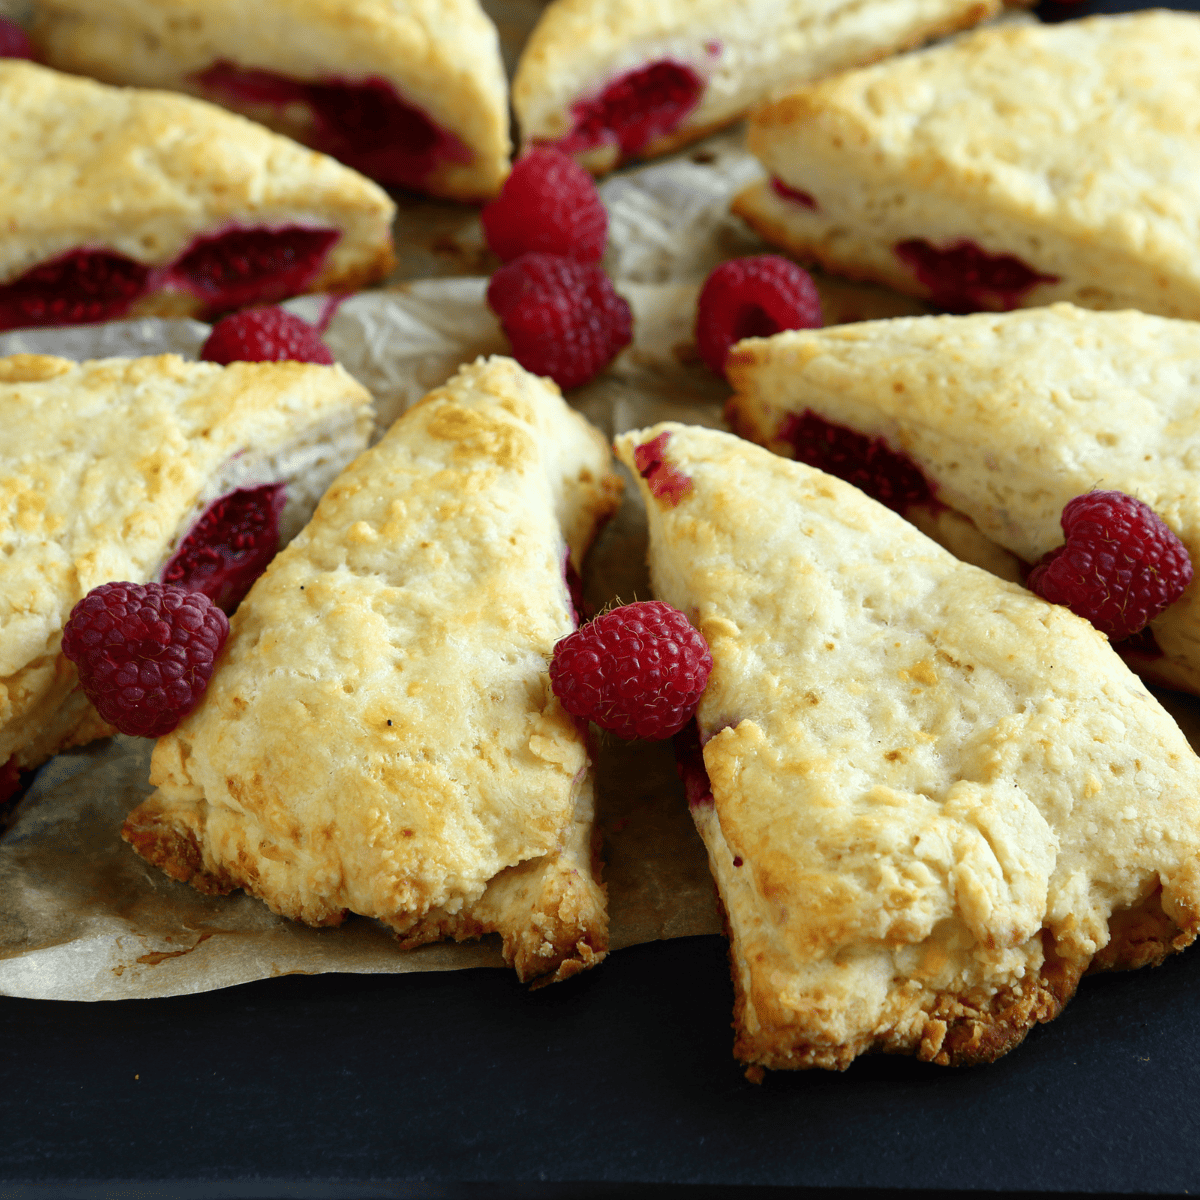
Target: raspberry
[
  {"x": 562, "y": 317},
  {"x": 753, "y": 297},
  {"x": 264, "y": 335},
  {"x": 230, "y": 546},
  {"x": 14, "y": 42},
  {"x": 964, "y": 277},
  {"x": 549, "y": 204},
  {"x": 77, "y": 288},
  {"x": 638, "y": 670},
  {"x": 1120, "y": 566},
  {"x": 145, "y": 652}
]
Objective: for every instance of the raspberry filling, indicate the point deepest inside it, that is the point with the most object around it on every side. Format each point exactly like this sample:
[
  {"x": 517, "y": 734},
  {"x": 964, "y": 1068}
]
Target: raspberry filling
[
  {"x": 230, "y": 546},
  {"x": 77, "y": 288},
  {"x": 666, "y": 481},
  {"x": 366, "y": 125},
  {"x": 795, "y": 195},
  {"x": 635, "y": 108},
  {"x": 14, "y": 43},
  {"x": 579, "y": 606},
  {"x": 689, "y": 764},
  {"x": 963, "y": 277},
  {"x": 870, "y": 464}
]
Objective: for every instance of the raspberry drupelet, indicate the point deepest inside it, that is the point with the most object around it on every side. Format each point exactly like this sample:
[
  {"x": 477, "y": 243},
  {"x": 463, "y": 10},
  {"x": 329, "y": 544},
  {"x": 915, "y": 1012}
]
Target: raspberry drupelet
[
  {"x": 1119, "y": 567},
  {"x": 638, "y": 670},
  {"x": 145, "y": 652},
  {"x": 264, "y": 335}
]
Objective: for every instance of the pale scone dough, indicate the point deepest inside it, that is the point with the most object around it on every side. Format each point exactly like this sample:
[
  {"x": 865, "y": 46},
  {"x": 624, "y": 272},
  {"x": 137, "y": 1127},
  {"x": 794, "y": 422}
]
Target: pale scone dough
[
  {"x": 935, "y": 798},
  {"x": 744, "y": 50},
  {"x": 1073, "y": 147},
  {"x": 105, "y": 466},
  {"x": 380, "y": 736},
  {"x": 441, "y": 55},
  {"x": 1009, "y": 416},
  {"x": 144, "y": 173}
]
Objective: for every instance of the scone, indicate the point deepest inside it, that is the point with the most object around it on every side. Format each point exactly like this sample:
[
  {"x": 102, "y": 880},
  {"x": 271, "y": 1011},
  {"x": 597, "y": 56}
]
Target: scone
[
  {"x": 1011, "y": 167},
  {"x": 980, "y": 428},
  {"x": 379, "y": 736},
  {"x": 930, "y": 799},
  {"x": 608, "y": 80},
  {"x": 409, "y": 92},
  {"x": 107, "y": 467},
  {"x": 116, "y": 202}
]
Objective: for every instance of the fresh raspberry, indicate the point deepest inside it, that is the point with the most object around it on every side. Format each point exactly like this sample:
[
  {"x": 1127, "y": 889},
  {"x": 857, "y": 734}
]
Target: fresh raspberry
[
  {"x": 1120, "y": 566},
  {"x": 264, "y": 335},
  {"x": 638, "y": 670},
  {"x": 562, "y": 317},
  {"x": 230, "y": 546},
  {"x": 77, "y": 288},
  {"x": 145, "y": 652},
  {"x": 549, "y": 204},
  {"x": 14, "y": 42},
  {"x": 753, "y": 297}
]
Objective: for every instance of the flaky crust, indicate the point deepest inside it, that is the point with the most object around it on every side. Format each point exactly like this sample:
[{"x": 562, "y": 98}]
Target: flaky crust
[
  {"x": 1070, "y": 146},
  {"x": 1009, "y": 416},
  {"x": 931, "y": 790},
  {"x": 144, "y": 173},
  {"x": 380, "y": 736},
  {"x": 103, "y": 467},
  {"x": 442, "y": 55},
  {"x": 744, "y": 49}
]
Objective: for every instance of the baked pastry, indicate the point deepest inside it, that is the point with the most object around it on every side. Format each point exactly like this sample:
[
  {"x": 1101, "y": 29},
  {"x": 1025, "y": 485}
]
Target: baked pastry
[
  {"x": 1011, "y": 167},
  {"x": 409, "y": 92},
  {"x": 106, "y": 467},
  {"x": 380, "y": 736},
  {"x": 608, "y": 80},
  {"x": 995, "y": 422},
  {"x": 930, "y": 799},
  {"x": 117, "y": 202}
]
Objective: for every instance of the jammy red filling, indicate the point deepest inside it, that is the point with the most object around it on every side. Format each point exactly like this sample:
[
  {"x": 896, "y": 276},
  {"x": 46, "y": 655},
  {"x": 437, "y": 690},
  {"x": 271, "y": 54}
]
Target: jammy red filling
[
  {"x": 635, "y": 108},
  {"x": 870, "y": 464},
  {"x": 230, "y": 546},
  {"x": 367, "y": 124},
  {"x": 665, "y": 480},
  {"x": 795, "y": 195},
  {"x": 77, "y": 288},
  {"x": 689, "y": 764},
  {"x": 963, "y": 277}
]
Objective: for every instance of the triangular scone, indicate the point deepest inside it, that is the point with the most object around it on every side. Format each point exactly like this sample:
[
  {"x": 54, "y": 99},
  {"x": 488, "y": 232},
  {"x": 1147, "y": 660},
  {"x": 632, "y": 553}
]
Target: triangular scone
[
  {"x": 410, "y": 92},
  {"x": 934, "y": 798},
  {"x": 1011, "y": 167},
  {"x": 181, "y": 207},
  {"x": 380, "y": 736},
  {"x": 670, "y": 72},
  {"x": 106, "y": 466},
  {"x": 1008, "y": 417}
]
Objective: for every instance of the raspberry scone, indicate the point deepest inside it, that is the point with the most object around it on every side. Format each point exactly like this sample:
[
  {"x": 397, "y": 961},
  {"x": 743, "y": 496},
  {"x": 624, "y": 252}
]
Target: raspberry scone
[
  {"x": 980, "y": 429},
  {"x": 409, "y": 92},
  {"x": 1011, "y": 167},
  {"x": 116, "y": 202},
  {"x": 931, "y": 800},
  {"x": 380, "y": 736},
  {"x": 609, "y": 80},
  {"x": 138, "y": 470}
]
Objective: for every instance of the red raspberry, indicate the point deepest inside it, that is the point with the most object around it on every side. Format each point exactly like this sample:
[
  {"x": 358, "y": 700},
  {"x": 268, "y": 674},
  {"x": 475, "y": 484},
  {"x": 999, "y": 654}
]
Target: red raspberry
[
  {"x": 549, "y": 204},
  {"x": 145, "y": 652},
  {"x": 14, "y": 42},
  {"x": 1120, "y": 566},
  {"x": 753, "y": 297},
  {"x": 264, "y": 335},
  {"x": 562, "y": 317},
  {"x": 638, "y": 670},
  {"x": 77, "y": 288}
]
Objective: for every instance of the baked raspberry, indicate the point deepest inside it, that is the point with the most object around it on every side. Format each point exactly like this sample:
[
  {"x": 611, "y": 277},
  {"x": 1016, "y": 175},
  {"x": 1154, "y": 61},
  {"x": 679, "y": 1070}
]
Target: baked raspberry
[
  {"x": 1120, "y": 565},
  {"x": 253, "y": 266},
  {"x": 638, "y": 670},
  {"x": 635, "y": 109},
  {"x": 664, "y": 479},
  {"x": 230, "y": 546},
  {"x": 753, "y": 297},
  {"x": 562, "y": 317},
  {"x": 145, "y": 652},
  {"x": 550, "y": 204},
  {"x": 795, "y": 195},
  {"x": 689, "y": 766},
  {"x": 14, "y": 42},
  {"x": 264, "y": 335},
  {"x": 963, "y": 277},
  {"x": 77, "y": 288}
]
